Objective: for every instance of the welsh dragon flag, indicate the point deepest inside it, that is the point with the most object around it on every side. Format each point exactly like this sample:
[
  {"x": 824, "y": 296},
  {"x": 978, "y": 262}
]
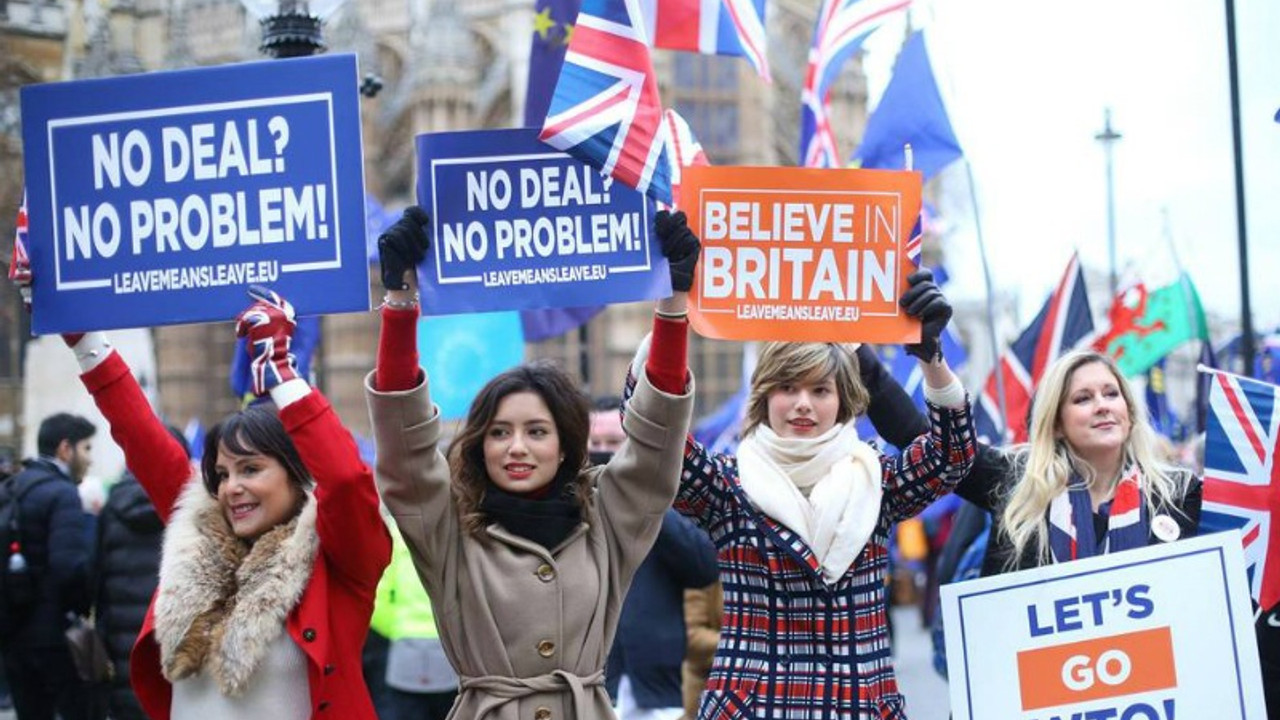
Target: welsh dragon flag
[{"x": 1147, "y": 324}]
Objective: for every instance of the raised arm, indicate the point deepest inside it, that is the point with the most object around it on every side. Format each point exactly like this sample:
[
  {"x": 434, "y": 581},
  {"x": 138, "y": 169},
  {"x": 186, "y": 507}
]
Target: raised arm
[
  {"x": 934, "y": 463},
  {"x": 352, "y": 534},
  {"x": 892, "y": 412},
  {"x": 639, "y": 482},
  {"x": 412, "y": 473}
]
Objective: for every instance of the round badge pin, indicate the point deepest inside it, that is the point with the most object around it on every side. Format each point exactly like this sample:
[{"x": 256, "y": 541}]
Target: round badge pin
[{"x": 1165, "y": 528}]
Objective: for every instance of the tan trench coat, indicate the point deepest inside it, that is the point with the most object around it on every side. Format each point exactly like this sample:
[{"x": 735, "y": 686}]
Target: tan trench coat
[{"x": 527, "y": 629}]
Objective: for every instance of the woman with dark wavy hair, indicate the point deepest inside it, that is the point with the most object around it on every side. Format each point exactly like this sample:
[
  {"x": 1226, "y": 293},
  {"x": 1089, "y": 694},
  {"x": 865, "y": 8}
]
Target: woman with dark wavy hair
[
  {"x": 475, "y": 495},
  {"x": 525, "y": 550}
]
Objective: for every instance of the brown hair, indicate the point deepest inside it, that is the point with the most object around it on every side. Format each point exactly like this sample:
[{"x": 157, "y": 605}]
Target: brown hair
[
  {"x": 788, "y": 362},
  {"x": 256, "y": 429},
  {"x": 569, "y": 408}
]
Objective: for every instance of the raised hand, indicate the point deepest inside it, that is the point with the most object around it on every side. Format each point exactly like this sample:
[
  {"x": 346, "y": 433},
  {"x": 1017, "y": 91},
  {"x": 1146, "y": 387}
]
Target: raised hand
[
  {"x": 679, "y": 246},
  {"x": 403, "y": 246},
  {"x": 924, "y": 301},
  {"x": 268, "y": 327}
]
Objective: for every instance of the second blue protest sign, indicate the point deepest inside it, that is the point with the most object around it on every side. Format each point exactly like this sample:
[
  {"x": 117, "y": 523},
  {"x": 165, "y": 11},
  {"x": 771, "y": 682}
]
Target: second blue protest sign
[
  {"x": 158, "y": 198},
  {"x": 517, "y": 224}
]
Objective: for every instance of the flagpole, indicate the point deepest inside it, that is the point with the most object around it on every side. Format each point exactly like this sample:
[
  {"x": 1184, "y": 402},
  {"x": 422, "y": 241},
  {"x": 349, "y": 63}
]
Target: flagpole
[
  {"x": 1246, "y": 312},
  {"x": 991, "y": 304}
]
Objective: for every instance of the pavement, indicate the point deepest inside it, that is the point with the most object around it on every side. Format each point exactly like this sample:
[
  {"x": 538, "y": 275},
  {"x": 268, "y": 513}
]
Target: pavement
[{"x": 925, "y": 690}]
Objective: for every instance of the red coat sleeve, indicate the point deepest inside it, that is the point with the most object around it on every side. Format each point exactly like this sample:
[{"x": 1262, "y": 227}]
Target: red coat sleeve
[
  {"x": 153, "y": 455},
  {"x": 352, "y": 533}
]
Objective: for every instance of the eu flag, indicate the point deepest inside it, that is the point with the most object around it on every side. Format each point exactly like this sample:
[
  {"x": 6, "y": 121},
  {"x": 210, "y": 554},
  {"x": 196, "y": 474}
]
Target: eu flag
[{"x": 552, "y": 21}]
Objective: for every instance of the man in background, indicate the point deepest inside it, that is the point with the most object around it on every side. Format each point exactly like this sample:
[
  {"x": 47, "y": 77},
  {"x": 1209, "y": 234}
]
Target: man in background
[
  {"x": 55, "y": 550},
  {"x": 643, "y": 673}
]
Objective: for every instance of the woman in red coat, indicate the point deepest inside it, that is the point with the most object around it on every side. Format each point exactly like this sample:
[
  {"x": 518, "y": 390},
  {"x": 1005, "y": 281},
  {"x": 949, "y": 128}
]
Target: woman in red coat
[{"x": 271, "y": 557}]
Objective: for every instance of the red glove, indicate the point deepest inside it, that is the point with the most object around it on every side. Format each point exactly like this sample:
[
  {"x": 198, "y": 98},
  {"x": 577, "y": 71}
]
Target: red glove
[{"x": 268, "y": 327}]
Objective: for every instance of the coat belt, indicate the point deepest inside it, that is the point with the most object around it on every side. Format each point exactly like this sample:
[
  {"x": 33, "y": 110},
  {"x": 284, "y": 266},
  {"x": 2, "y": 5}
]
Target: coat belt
[{"x": 502, "y": 689}]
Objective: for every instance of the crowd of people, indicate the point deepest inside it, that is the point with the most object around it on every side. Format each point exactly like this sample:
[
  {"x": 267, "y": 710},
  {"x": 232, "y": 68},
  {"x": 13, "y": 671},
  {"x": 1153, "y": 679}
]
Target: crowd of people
[{"x": 559, "y": 557}]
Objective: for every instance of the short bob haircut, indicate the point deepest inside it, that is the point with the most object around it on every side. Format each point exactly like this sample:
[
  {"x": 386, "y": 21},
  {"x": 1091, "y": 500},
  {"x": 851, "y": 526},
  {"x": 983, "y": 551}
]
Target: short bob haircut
[
  {"x": 790, "y": 362},
  {"x": 570, "y": 410},
  {"x": 256, "y": 429}
]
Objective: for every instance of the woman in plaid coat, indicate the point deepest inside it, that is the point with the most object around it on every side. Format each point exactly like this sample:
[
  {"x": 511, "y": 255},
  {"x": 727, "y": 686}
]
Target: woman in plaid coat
[{"x": 801, "y": 518}]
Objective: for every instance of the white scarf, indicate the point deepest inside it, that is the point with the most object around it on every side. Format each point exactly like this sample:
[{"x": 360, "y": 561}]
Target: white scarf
[{"x": 841, "y": 477}]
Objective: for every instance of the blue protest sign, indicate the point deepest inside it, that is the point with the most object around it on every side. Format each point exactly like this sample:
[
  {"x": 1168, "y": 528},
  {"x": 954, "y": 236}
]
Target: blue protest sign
[
  {"x": 158, "y": 198},
  {"x": 517, "y": 224}
]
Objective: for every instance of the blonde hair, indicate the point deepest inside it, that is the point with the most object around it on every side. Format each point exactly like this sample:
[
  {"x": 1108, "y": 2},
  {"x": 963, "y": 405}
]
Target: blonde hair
[
  {"x": 1045, "y": 464},
  {"x": 789, "y": 362}
]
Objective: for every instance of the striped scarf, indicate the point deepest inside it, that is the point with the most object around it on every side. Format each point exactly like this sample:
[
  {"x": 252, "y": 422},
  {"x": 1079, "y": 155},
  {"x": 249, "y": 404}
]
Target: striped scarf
[{"x": 1071, "y": 533}]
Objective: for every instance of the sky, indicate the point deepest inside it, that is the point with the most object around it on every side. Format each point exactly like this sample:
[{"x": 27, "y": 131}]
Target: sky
[{"x": 1027, "y": 82}]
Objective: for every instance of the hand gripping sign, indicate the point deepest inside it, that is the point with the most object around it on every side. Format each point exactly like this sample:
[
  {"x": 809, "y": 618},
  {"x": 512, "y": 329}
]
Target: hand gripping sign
[
  {"x": 1159, "y": 633},
  {"x": 158, "y": 198},
  {"x": 802, "y": 254},
  {"x": 517, "y": 224}
]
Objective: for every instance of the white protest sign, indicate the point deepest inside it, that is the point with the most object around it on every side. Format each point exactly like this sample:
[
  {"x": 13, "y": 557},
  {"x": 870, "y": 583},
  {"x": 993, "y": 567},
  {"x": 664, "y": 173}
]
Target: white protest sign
[{"x": 1158, "y": 633}]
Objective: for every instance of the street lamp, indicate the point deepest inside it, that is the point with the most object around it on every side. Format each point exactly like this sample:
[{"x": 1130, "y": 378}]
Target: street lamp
[
  {"x": 291, "y": 28},
  {"x": 1108, "y": 138}
]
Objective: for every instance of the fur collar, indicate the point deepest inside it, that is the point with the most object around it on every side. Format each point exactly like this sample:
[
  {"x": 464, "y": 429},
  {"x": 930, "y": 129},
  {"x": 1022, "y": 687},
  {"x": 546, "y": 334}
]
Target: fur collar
[{"x": 221, "y": 602}]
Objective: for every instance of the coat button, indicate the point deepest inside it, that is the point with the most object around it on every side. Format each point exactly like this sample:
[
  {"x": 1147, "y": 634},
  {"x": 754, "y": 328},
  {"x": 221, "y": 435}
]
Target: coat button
[
  {"x": 309, "y": 635},
  {"x": 542, "y": 713},
  {"x": 324, "y": 706},
  {"x": 546, "y": 648},
  {"x": 546, "y": 573},
  {"x": 328, "y": 669}
]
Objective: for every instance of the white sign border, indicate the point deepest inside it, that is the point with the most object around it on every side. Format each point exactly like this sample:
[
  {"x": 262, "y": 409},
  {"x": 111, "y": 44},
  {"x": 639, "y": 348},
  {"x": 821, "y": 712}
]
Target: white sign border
[
  {"x": 897, "y": 206},
  {"x": 497, "y": 160},
  {"x": 52, "y": 125}
]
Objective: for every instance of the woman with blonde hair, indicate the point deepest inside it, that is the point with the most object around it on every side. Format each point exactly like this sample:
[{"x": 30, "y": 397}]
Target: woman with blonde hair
[
  {"x": 801, "y": 517},
  {"x": 1091, "y": 479}
]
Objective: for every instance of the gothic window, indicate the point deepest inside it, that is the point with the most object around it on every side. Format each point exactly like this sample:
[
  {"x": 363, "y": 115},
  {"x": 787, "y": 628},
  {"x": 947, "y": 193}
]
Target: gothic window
[{"x": 705, "y": 92}]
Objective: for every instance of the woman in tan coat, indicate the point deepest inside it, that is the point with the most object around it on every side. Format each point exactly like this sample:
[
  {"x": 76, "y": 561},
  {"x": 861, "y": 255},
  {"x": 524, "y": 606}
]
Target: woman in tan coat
[{"x": 526, "y": 552}]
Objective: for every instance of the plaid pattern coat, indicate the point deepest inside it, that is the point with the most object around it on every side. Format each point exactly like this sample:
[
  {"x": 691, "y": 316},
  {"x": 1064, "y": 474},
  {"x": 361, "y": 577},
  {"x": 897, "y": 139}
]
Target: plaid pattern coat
[{"x": 792, "y": 646}]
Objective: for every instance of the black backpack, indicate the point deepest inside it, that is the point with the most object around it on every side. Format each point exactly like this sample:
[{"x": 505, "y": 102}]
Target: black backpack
[{"x": 19, "y": 578}]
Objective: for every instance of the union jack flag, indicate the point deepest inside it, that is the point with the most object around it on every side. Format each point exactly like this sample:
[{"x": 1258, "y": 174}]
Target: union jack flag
[
  {"x": 1063, "y": 323},
  {"x": 841, "y": 28},
  {"x": 606, "y": 110},
  {"x": 683, "y": 150},
  {"x": 19, "y": 262},
  {"x": 1240, "y": 474},
  {"x": 710, "y": 27}
]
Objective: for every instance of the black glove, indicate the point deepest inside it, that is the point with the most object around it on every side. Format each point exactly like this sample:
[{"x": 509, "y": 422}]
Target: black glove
[
  {"x": 403, "y": 246},
  {"x": 679, "y": 246},
  {"x": 924, "y": 301}
]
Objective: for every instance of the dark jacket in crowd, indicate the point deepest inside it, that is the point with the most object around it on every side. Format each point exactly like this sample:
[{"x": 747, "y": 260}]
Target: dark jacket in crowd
[
  {"x": 128, "y": 563},
  {"x": 55, "y": 537},
  {"x": 649, "y": 647}
]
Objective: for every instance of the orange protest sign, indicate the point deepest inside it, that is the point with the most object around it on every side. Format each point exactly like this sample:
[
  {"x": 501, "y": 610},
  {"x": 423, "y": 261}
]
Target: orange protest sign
[{"x": 801, "y": 254}]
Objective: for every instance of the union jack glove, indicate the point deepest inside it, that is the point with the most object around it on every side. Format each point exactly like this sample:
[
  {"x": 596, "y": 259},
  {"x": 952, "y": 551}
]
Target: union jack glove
[
  {"x": 924, "y": 301},
  {"x": 680, "y": 246},
  {"x": 267, "y": 327}
]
